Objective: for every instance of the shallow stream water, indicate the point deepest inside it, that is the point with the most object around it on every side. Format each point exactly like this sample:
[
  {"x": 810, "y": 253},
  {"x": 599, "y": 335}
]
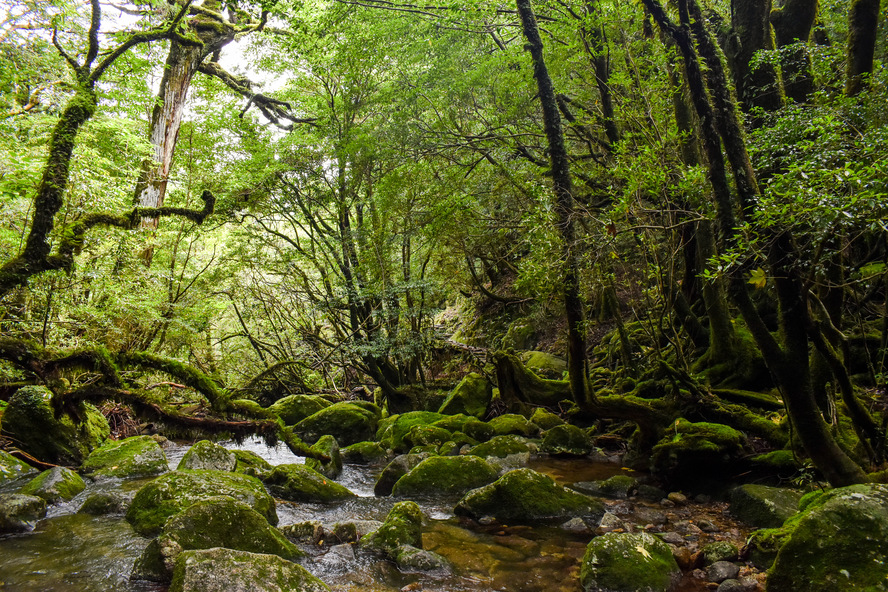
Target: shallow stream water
[{"x": 74, "y": 552}]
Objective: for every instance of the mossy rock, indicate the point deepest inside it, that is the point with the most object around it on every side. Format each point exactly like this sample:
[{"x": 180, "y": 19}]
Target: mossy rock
[
  {"x": 30, "y": 421},
  {"x": 566, "y": 440},
  {"x": 514, "y": 424},
  {"x": 473, "y": 427},
  {"x": 695, "y": 453},
  {"x": 410, "y": 559},
  {"x": 777, "y": 463},
  {"x": 347, "y": 422},
  {"x": 616, "y": 487},
  {"x": 207, "y": 456},
  {"x": 628, "y": 562},
  {"x": 470, "y": 397},
  {"x": 295, "y": 408},
  {"x": 445, "y": 476},
  {"x": 393, "y": 430},
  {"x": 328, "y": 446},
  {"x": 523, "y": 495},
  {"x": 102, "y": 503},
  {"x": 139, "y": 456},
  {"x": 519, "y": 335},
  {"x": 502, "y": 446},
  {"x": 544, "y": 365},
  {"x": 12, "y": 468},
  {"x": 228, "y": 570},
  {"x": 719, "y": 551},
  {"x": 55, "y": 485},
  {"x": 546, "y": 420},
  {"x": 402, "y": 526},
  {"x": 19, "y": 512},
  {"x": 171, "y": 493},
  {"x": 840, "y": 543},
  {"x": 214, "y": 522},
  {"x": 363, "y": 453},
  {"x": 762, "y": 506},
  {"x": 424, "y": 435},
  {"x": 250, "y": 463},
  {"x": 299, "y": 483},
  {"x": 396, "y": 469}
]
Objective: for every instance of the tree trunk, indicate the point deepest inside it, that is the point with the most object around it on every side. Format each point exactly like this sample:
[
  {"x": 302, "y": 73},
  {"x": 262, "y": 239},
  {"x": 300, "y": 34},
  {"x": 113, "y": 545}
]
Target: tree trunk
[
  {"x": 792, "y": 25},
  {"x": 863, "y": 23},
  {"x": 759, "y": 86}
]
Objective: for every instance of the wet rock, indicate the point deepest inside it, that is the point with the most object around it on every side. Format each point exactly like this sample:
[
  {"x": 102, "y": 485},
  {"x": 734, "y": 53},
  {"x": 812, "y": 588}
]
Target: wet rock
[
  {"x": 503, "y": 446},
  {"x": 347, "y": 422},
  {"x": 762, "y": 546},
  {"x": 250, "y": 463},
  {"x": 409, "y": 558},
  {"x": 720, "y": 571},
  {"x": 216, "y": 522},
  {"x": 719, "y": 551},
  {"x": 12, "y": 468},
  {"x": 20, "y": 513},
  {"x": 695, "y": 453},
  {"x": 707, "y": 525},
  {"x": 299, "y": 483},
  {"x": 644, "y": 515},
  {"x": 396, "y": 469},
  {"x": 402, "y": 526},
  {"x": 617, "y": 487},
  {"x": 424, "y": 435},
  {"x": 673, "y": 538},
  {"x": 227, "y": 570},
  {"x": 523, "y": 495},
  {"x": 732, "y": 585},
  {"x": 576, "y": 525},
  {"x": 677, "y": 498},
  {"x": 30, "y": 421},
  {"x": 514, "y": 424},
  {"x": 684, "y": 557},
  {"x": 328, "y": 446},
  {"x": 650, "y": 493},
  {"x": 310, "y": 531},
  {"x": 470, "y": 397},
  {"x": 623, "y": 562},
  {"x": 566, "y": 440},
  {"x": 546, "y": 420},
  {"x": 295, "y": 408},
  {"x": 171, "y": 493},
  {"x": 55, "y": 485},
  {"x": 609, "y": 523},
  {"x": 839, "y": 543},
  {"x": 445, "y": 476},
  {"x": 208, "y": 456},
  {"x": 762, "y": 506},
  {"x": 103, "y": 503},
  {"x": 139, "y": 456},
  {"x": 362, "y": 453}
]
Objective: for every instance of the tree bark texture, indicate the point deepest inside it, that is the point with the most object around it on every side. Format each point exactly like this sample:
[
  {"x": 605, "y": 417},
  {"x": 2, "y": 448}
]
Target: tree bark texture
[
  {"x": 759, "y": 86},
  {"x": 863, "y": 23},
  {"x": 792, "y": 24}
]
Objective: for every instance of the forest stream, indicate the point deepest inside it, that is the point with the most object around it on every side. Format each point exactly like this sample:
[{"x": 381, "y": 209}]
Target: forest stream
[{"x": 68, "y": 551}]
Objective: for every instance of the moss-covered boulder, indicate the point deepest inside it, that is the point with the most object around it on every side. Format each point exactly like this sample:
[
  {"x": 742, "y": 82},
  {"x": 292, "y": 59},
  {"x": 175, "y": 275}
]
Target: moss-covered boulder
[
  {"x": 215, "y": 522},
  {"x": 544, "y": 365},
  {"x": 329, "y": 447},
  {"x": 546, "y": 420},
  {"x": 139, "y": 456},
  {"x": 250, "y": 463},
  {"x": 474, "y": 428},
  {"x": 347, "y": 422},
  {"x": 445, "y": 476},
  {"x": 523, "y": 495},
  {"x": 410, "y": 559},
  {"x": 628, "y": 562},
  {"x": 295, "y": 408},
  {"x": 102, "y": 503},
  {"x": 207, "y": 456},
  {"x": 228, "y": 570},
  {"x": 566, "y": 440},
  {"x": 502, "y": 446},
  {"x": 363, "y": 453},
  {"x": 514, "y": 424},
  {"x": 396, "y": 469},
  {"x": 695, "y": 453},
  {"x": 12, "y": 468},
  {"x": 29, "y": 420},
  {"x": 719, "y": 551},
  {"x": 402, "y": 526},
  {"x": 299, "y": 483},
  {"x": 470, "y": 397},
  {"x": 55, "y": 485},
  {"x": 839, "y": 543},
  {"x": 424, "y": 435},
  {"x": 762, "y": 506},
  {"x": 20, "y": 513},
  {"x": 617, "y": 487},
  {"x": 171, "y": 493},
  {"x": 394, "y": 429}
]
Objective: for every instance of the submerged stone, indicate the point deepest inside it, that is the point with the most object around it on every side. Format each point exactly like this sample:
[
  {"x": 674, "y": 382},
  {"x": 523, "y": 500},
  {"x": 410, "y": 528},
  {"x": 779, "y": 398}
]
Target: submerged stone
[
  {"x": 402, "y": 526},
  {"x": 470, "y": 397},
  {"x": 139, "y": 456},
  {"x": 102, "y": 503},
  {"x": 328, "y": 446},
  {"x": 20, "y": 513},
  {"x": 299, "y": 483},
  {"x": 55, "y": 485},
  {"x": 12, "y": 468},
  {"x": 408, "y": 558},
  {"x": 227, "y": 570},
  {"x": 763, "y": 506},
  {"x": 445, "y": 475},
  {"x": 628, "y": 562},
  {"x": 295, "y": 408},
  {"x": 171, "y": 493},
  {"x": 207, "y": 456},
  {"x": 347, "y": 422},
  {"x": 566, "y": 440}
]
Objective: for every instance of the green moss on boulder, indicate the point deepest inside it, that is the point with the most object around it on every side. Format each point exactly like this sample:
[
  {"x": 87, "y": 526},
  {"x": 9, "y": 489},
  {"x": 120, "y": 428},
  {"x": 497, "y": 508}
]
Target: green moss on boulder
[
  {"x": 295, "y": 408},
  {"x": 29, "y": 420},
  {"x": 566, "y": 440},
  {"x": 171, "y": 493},
  {"x": 396, "y": 469},
  {"x": 503, "y": 446},
  {"x": 347, "y": 422},
  {"x": 228, "y": 570},
  {"x": 19, "y": 512},
  {"x": 523, "y": 495},
  {"x": 544, "y": 365},
  {"x": 546, "y": 420},
  {"x": 393, "y": 430},
  {"x": 102, "y": 503},
  {"x": 514, "y": 424},
  {"x": 12, "y": 468},
  {"x": 207, "y": 456},
  {"x": 299, "y": 483},
  {"x": 470, "y": 397},
  {"x": 363, "y": 453},
  {"x": 250, "y": 463},
  {"x": 694, "y": 453},
  {"x": 402, "y": 526},
  {"x": 328, "y": 446},
  {"x": 55, "y": 485},
  {"x": 762, "y": 506},
  {"x": 628, "y": 562},
  {"x": 424, "y": 435},
  {"x": 139, "y": 456},
  {"x": 444, "y": 476}
]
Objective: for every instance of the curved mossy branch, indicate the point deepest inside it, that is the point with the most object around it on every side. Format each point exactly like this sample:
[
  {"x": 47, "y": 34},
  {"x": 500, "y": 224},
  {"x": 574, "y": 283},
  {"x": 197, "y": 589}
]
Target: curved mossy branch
[
  {"x": 47, "y": 364},
  {"x": 188, "y": 375}
]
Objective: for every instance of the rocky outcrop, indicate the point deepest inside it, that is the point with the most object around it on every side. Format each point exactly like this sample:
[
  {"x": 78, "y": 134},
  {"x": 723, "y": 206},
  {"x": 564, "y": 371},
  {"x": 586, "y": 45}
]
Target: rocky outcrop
[
  {"x": 347, "y": 422},
  {"x": 470, "y": 397}
]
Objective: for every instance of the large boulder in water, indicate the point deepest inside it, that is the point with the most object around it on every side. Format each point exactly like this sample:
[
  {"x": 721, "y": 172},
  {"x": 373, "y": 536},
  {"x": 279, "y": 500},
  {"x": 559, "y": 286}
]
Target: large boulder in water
[
  {"x": 171, "y": 493},
  {"x": 523, "y": 495},
  {"x": 329, "y": 447},
  {"x": 215, "y": 522},
  {"x": 347, "y": 422},
  {"x": 227, "y": 570},
  {"x": 503, "y": 446},
  {"x": 762, "y": 506},
  {"x": 402, "y": 526},
  {"x": 55, "y": 485},
  {"x": 139, "y": 456},
  {"x": 295, "y": 408},
  {"x": 470, "y": 397},
  {"x": 629, "y": 562},
  {"x": 30, "y": 421},
  {"x": 445, "y": 475},
  {"x": 208, "y": 456},
  {"x": 394, "y": 429},
  {"x": 12, "y": 468},
  {"x": 299, "y": 483},
  {"x": 20, "y": 513},
  {"x": 839, "y": 543},
  {"x": 400, "y": 466}
]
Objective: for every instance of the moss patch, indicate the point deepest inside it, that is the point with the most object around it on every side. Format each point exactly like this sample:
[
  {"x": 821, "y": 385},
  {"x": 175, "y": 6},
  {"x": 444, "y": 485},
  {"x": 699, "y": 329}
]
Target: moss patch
[
  {"x": 470, "y": 397},
  {"x": 445, "y": 475},
  {"x": 347, "y": 422},
  {"x": 402, "y": 526},
  {"x": 329, "y": 447},
  {"x": 207, "y": 456},
  {"x": 139, "y": 456},
  {"x": 393, "y": 430},
  {"x": 300, "y": 483},
  {"x": 227, "y": 570},
  {"x": 513, "y": 424},
  {"x": 566, "y": 440},
  {"x": 624, "y": 562},
  {"x": 55, "y": 485},
  {"x": 295, "y": 408}
]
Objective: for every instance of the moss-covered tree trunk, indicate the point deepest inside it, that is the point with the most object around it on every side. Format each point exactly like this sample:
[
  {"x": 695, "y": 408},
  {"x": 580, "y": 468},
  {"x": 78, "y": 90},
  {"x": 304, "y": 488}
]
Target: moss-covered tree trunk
[
  {"x": 757, "y": 86},
  {"x": 863, "y": 23},
  {"x": 792, "y": 24}
]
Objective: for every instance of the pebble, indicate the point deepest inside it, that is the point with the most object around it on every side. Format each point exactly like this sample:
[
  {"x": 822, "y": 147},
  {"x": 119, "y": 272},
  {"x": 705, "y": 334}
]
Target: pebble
[
  {"x": 679, "y": 499},
  {"x": 486, "y": 520},
  {"x": 673, "y": 538}
]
